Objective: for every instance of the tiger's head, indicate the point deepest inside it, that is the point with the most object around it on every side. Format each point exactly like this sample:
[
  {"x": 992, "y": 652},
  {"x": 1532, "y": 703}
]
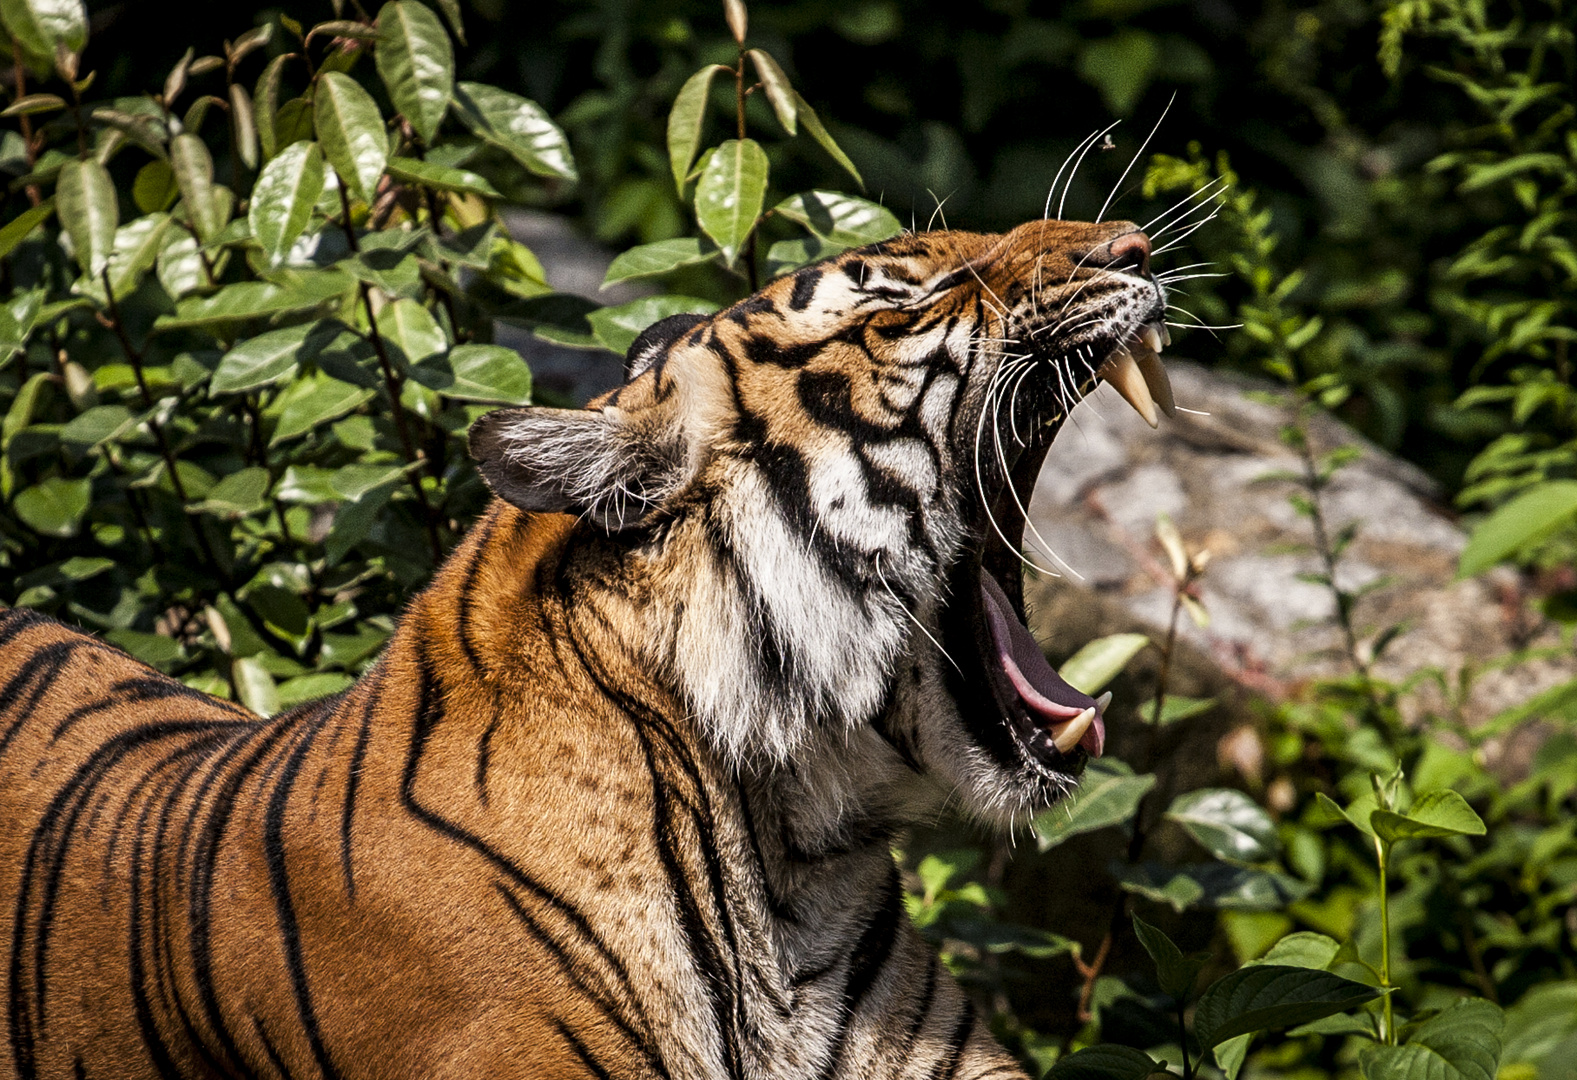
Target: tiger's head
[{"x": 818, "y": 497}]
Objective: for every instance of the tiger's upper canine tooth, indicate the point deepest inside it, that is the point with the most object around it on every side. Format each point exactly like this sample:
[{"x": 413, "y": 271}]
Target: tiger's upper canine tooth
[
  {"x": 1073, "y": 730},
  {"x": 1158, "y": 382},
  {"x": 1122, "y": 371},
  {"x": 1151, "y": 336}
]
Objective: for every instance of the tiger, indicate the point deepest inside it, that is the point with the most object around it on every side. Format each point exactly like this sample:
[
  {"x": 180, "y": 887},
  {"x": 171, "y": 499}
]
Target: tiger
[{"x": 620, "y": 797}]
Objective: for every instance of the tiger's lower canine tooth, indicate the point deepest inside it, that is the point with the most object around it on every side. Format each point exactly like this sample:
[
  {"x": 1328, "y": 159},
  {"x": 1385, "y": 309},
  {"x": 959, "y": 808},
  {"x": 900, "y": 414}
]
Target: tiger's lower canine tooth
[
  {"x": 1158, "y": 382},
  {"x": 1073, "y": 730},
  {"x": 1121, "y": 370}
]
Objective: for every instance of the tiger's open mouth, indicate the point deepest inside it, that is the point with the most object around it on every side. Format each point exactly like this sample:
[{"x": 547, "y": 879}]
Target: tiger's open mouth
[{"x": 1033, "y": 715}]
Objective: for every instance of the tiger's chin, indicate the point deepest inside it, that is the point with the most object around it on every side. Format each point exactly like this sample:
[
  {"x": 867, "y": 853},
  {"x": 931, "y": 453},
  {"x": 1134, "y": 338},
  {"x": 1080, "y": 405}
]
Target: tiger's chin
[{"x": 1035, "y": 731}]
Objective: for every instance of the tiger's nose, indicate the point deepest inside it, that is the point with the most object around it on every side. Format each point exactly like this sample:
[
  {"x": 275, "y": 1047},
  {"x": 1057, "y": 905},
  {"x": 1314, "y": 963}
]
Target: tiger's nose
[{"x": 1130, "y": 251}]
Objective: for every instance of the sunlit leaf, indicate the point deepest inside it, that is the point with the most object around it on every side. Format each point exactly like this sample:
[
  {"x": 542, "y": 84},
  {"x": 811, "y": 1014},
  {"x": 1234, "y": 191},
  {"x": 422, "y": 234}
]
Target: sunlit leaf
[
  {"x": 685, "y": 121},
  {"x": 410, "y": 333},
  {"x": 1217, "y": 885},
  {"x": 1433, "y": 814},
  {"x": 89, "y": 212},
  {"x": 1523, "y": 521},
  {"x": 242, "y": 492},
  {"x": 39, "y": 26},
  {"x": 844, "y": 221},
  {"x": 730, "y": 193},
  {"x": 649, "y": 260},
  {"x": 194, "y": 174},
  {"x": 55, "y": 505},
  {"x": 490, "y": 374},
  {"x": 1108, "y": 794},
  {"x": 350, "y": 130},
  {"x": 243, "y": 125},
  {"x": 618, "y": 327},
  {"x": 517, "y": 126},
  {"x": 416, "y": 63},
  {"x": 441, "y": 177},
  {"x": 252, "y": 299},
  {"x": 256, "y": 686},
  {"x": 1228, "y": 823},
  {"x": 265, "y": 359},
  {"x": 779, "y": 93},
  {"x": 1101, "y": 661},
  {"x": 311, "y": 401},
  {"x": 20, "y": 227},
  {"x": 284, "y": 196}
]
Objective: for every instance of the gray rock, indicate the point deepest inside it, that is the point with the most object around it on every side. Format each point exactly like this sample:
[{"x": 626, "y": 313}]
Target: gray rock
[{"x": 1220, "y": 472}]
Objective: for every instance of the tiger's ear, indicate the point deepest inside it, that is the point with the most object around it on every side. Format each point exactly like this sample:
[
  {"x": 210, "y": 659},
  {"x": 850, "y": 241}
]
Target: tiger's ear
[
  {"x": 601, "y": 463},
  {"x": 655, "y": 341}
]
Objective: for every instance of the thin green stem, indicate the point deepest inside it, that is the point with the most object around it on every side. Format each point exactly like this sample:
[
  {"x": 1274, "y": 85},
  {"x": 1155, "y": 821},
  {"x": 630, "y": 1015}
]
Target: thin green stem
[
  {"x": 1182, "y": 1041},
  {"x": 1382, "y": 856}
]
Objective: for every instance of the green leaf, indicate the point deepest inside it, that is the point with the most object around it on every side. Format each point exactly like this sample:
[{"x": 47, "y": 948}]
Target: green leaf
[
  {"x": 685, "y": 120},
  {"x": 1176, "y": 708},
  {"x": 39, "y": 26},
  {"x": 98, "y": 425},
  {"x": 1268, "y": 997},
  {"x": 135, "y": 249},
  {"x": 1105, "y": 1062},
  {"x": 1523, "y": 521},
  {"x": 1108, "y": 795},
  {"x": 1461, "y": 1043},
  {"x": 350, "y": 130},
  {"x": 265, "y": 105},
  {"x": 1304, "y": 949},
  {"x": 416, "y": 63},
  {"x": 729, "y": 195},
  {"x": 265, "y": 359},
  {"x": 305, "y": 688},
  {"x": 517, "y": 126},
  {"x": 155, "y": 189},
  {"x": 812, "y": 122},
  {"x": 442, "y": 177},
  {"x": 55, "y": 505},
  {"x": 283, "y": 198},
  {"x": 490, "y": 374},
  {"x": 1218, "y": 885},
  {"x": 1433, "y": 814},
  {"x": 1228, "y": 823},
  {"x": 649, "y": 260},
  {"x": 256, "y": 685},
  {"x": 243, "y": 125},
  {"x": 238, "y": 494},
  {"x": 1231, "y": 1054},
  {"x": 89, "y": 212},
  {"x": 311, "y": 401},
  {"x": 618, "y": 327},
  {"x": 1175, "y": 972},
  {"x": 253, "y": 299},
  {"x": 779, "y": 92},
  {"x": 1327, "y": 812},
  {"x": 451, "y": 10},
  {"x": 844, "y": 221},
  {"x": 410, "y": 332},
  {"x": 1101, "y": 661},
  {"x": 22, "y": 226},
  {"x": 194, "y": 175}
]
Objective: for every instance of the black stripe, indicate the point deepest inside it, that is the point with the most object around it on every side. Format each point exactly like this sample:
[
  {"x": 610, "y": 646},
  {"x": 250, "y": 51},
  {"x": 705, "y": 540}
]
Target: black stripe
[
  {"x": 374, "y": 691},
  {"x": 581, "y": 1051},
  {"x": 467, "y": 582},
  {"x": 284, "y": 906},
  {"x": 948, "y": 1066}
]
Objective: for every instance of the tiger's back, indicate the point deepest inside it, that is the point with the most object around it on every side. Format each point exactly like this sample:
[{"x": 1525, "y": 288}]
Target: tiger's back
[{"x": 619, "y": 797}]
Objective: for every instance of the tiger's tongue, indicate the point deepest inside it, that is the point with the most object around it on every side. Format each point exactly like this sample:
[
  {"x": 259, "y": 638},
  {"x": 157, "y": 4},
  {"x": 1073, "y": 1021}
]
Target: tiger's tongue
[{"x": 1051, "y": 701}]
